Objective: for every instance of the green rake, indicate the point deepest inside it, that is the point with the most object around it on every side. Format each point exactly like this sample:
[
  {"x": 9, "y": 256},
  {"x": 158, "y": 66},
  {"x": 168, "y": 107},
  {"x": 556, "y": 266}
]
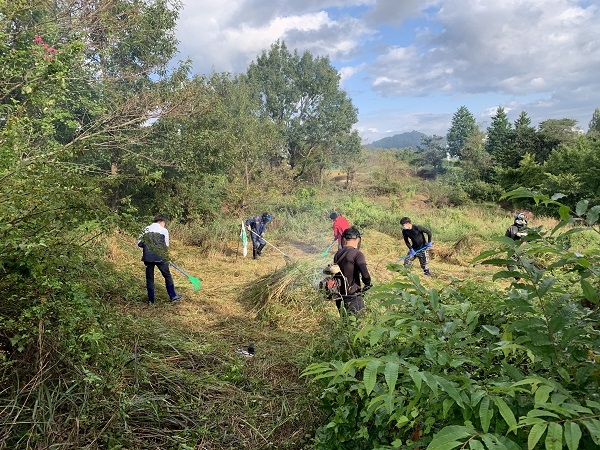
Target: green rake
[
  {"x": 328, "y": 248},
  {"x": 195, "y": 281}
]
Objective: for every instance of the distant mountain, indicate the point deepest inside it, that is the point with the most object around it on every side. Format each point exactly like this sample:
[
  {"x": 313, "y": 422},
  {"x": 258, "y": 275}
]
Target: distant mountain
[{"x": 410, "y": 139}]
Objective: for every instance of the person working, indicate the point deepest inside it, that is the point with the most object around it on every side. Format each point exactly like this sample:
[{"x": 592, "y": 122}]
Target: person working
[
  {"x": 516, "y": 232},
  {"x": 154, "y": 242},
  {"x": 340, "y": 224},
  {"x": 353, "y": 265},
  {"x": 257, "y": 226},
  {"x": 414, "y": 238}
]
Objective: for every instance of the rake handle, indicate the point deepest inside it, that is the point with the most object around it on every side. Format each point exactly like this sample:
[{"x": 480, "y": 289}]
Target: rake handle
[{"x": 178, "y": 269}]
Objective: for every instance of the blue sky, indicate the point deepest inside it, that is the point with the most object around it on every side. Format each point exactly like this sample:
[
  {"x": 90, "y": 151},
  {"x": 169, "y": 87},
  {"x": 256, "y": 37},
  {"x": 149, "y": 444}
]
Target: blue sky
[{"x": 409, "y": 64}]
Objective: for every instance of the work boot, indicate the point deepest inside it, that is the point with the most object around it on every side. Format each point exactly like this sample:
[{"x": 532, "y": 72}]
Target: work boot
[
  {"x": 426, "y": 272},
  {"x": 259, "y": 250},
  {"x": 171, "y": 291},
  {"x": 254, "y": 255},
  {"x": 150, "y": 295}
]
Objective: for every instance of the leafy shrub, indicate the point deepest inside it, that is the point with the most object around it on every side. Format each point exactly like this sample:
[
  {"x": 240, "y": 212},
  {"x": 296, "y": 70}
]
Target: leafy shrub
[{"x": 462, "y": 367}]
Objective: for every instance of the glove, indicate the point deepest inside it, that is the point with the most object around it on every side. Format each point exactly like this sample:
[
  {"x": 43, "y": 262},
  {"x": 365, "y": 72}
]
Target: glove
[
  {"x": 411, "y": 252},
  {"x": 248, "y": 227},
  {"x": 366, "y": 287},
  {"x": 429, "y": 244}
]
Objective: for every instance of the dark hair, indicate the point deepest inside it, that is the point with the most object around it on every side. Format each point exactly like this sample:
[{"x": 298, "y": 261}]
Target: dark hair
[
  {"x": 333, "y": 216},
  {"x": 159, "y": 218},
  {"x": 405, "y": 220},
  {"x": 351, "y": 233}
]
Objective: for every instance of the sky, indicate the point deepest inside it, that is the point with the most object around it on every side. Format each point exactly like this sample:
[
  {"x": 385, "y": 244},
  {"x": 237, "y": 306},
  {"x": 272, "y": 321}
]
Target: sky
[{"x": 409, "y": 64}]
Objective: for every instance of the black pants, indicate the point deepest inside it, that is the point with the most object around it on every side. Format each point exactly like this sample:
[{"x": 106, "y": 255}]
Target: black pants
[
  {"x": 164, "y": 270},
  {"x": 352, "y": 303}
]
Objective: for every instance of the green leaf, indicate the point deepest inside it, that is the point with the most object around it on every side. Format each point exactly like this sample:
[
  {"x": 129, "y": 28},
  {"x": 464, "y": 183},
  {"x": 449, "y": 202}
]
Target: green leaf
[
  {"x": 593, "y": 427},
  {"x": 416, "y": 377},
  {"x": 506, "y": 413},
  {"x": 546, "y": 285},
  {"x": 572, "y": 435},
  {"x": 581, "y": 207},
  {"x": 554, "y": 436},
  {"x": 494, "y": 331},
  {"x": 370, "y": 375},
  {"x": 429, "y": 380},
  {"x": 450, "y": 437},
  {"x": 476, "y": 445},
  {"x": 391, "y": 375},
  {"x": 542, "y": 394},
  {"x": 451, "y": 390},
  {"x": 592, "y": 215},
  {"x": 589, "y": 291},
  {"x": 564, "y": 212},
  {"x": 485, "y": 413},
  {"x": 535, "y": 434}
]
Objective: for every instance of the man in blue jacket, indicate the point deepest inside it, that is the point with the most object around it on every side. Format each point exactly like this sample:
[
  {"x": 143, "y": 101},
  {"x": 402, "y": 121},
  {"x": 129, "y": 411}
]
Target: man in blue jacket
[
  {"x": 257, "y": 226},
  {"x": 154, "y": 242}
]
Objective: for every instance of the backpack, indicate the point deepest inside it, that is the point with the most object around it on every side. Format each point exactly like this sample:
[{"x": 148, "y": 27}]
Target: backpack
[{"x": 334, "y": 284}]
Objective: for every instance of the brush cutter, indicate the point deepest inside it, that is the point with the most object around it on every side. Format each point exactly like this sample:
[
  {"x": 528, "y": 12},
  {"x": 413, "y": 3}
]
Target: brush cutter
[
  {"x": 195, "y": 281},
  {"x": 328, "y": 248},
  {"x": 418, "y": 251},
  {"x": 284, "y": 255}
]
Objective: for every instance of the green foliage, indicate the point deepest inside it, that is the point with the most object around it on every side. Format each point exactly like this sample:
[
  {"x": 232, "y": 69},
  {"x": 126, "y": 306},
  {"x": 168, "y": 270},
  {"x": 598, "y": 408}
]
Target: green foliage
[
  {"x": 301, "y": 94},
  {"x": 462, "y": 128},
  {"x": 463, "y": 366},
  {"x": 594, "y": 125},
  {"x": 500, "y": 140}
]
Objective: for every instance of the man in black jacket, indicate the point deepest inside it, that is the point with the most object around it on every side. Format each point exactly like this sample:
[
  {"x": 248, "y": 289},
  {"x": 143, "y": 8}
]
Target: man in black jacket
[
  {"x": 353, "y": 265},
  {"x": 417, "y": 243},
  {"x": 154, "y": 242}
]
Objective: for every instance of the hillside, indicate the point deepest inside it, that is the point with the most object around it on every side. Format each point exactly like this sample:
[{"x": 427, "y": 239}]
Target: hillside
[{"x": 410, "y": 139}]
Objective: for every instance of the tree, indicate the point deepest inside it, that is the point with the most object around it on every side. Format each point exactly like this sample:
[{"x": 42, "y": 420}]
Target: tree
[
  {"x": 551, "y": 134},
  {"x": 525, "y": 140},
  {"x": 432, "y": 152},
  {"x": 594, "y": 125},
  {"x": 475, "y": 160},
  {"x": 463, "y": 126},
  {"x": 302, "y": 95},
  {"x": 500, "y": 139}
]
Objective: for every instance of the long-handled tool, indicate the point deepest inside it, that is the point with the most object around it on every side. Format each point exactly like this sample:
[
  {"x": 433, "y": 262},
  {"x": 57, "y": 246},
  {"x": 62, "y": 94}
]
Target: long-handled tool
[
  {"x": 254, "y": 232},
  {"x": 328, "y": 248},
  {"x": 418, "y": 251},
  {"x": 195, "y": 281}
]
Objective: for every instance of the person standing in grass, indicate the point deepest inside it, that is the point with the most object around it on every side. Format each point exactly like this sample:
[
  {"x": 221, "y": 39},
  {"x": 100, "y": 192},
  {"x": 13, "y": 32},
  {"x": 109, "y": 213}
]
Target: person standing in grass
[
  {"x": 516, "y": 232},
  {"x": 353, "y": 265},
  {"x": 418, "y": 240},
  {"x": 154, "y": 242},
  {"x": 257, "y": 226},
  {"x": 340, "y": 224}
]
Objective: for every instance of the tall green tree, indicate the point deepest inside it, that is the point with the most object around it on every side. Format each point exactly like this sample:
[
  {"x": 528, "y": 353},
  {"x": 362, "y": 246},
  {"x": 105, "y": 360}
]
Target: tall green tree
[
  {"x": 500, "y": 139},
  {"x": 594, "y": 125},
  {"x": 525, "y": 140},
  {"x": 551, "y": 134},
  {"x": 301, "y": 94},
  {"x": 432, "y": 152},
  {"x": 463, "y": 126}
]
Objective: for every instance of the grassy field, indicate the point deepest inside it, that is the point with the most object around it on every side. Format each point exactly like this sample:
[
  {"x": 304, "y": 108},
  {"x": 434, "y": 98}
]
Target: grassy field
[{"x": 188, "y": 350}]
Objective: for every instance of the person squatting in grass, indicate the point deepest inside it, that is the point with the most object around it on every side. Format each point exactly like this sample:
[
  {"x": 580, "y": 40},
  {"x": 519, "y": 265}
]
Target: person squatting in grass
[
  {"x": 257, "y": 226},
  {"x": 154, "y": 242},
  {"x": 340, "y": 224},
  {"x": 516, "y": 232},
  {"x": 414, "y": 238},
  {"x": 353, "y": 265}
]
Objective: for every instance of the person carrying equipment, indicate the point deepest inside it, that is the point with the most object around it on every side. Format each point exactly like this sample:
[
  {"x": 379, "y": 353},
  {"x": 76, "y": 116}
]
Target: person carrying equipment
[
  {"x": 340, "y": 224},
  {"x": 257, "y": 226},
  {"x": 154, "y": 242},
  {"x": 516, "y": 232},
  {"x": 414, "y": 238},
  {"x": 353, "y": 265}
]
